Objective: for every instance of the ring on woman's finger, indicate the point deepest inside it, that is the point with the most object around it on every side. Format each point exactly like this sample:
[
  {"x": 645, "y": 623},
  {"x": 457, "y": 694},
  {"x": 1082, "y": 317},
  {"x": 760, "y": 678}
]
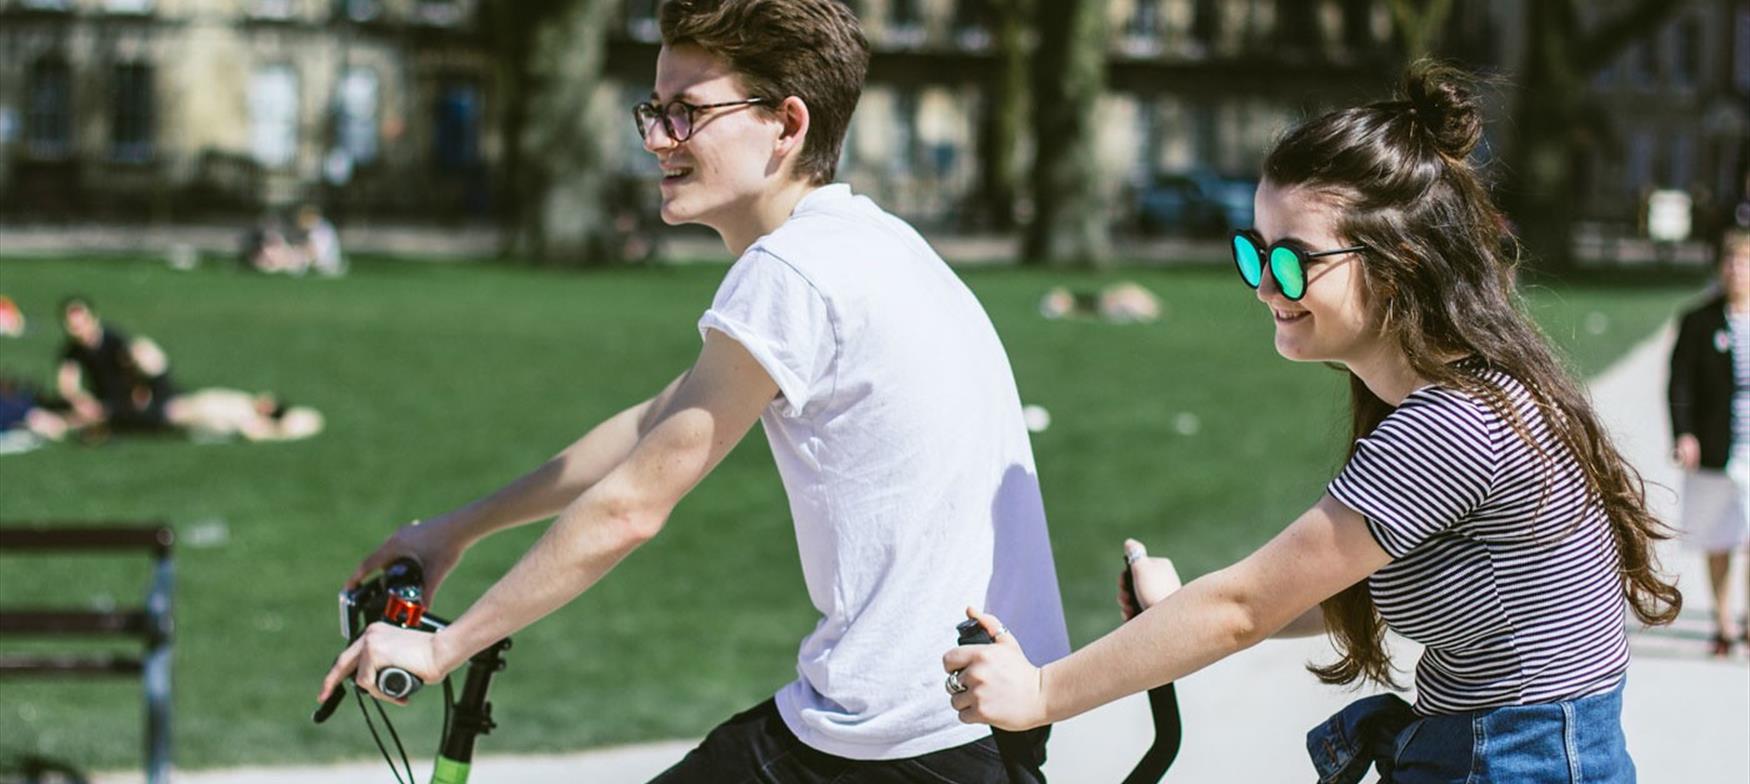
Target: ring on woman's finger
[{"x": 953, "y": 683}]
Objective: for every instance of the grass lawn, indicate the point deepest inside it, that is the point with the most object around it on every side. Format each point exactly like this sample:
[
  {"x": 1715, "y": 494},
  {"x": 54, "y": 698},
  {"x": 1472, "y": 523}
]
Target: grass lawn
[{"x": 442, "y": 381}]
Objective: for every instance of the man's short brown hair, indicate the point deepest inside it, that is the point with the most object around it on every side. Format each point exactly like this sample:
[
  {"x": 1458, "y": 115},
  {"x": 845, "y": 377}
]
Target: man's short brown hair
[{"x": 812, "y": 49}]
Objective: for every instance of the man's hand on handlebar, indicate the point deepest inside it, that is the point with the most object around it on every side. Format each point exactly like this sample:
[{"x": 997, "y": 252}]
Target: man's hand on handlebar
[
  {"x": 428, "y": 544},
  {"x": 999, "y": 686},
  {"x": 384, "y": 645}
]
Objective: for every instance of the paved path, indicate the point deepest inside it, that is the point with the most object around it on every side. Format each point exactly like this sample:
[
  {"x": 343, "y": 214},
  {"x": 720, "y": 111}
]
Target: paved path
[{"x": 1687, "y": 717}]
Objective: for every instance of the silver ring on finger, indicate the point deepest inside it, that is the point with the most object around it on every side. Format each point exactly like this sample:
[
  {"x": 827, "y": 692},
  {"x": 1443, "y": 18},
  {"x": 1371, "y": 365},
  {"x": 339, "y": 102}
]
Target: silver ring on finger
[{"x": 953, "y": 683}]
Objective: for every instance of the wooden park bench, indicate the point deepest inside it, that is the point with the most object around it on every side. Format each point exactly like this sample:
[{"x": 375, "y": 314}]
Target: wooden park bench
[{"x": 151, "y": 623}]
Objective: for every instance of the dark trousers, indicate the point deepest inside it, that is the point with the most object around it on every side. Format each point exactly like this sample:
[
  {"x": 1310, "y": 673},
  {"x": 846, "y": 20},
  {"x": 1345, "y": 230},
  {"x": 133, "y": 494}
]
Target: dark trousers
[{"x": 756, "y": 746}]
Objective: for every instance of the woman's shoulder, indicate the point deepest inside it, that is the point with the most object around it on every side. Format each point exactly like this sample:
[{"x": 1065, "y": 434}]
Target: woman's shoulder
[{"x": 1480, "y": 402}]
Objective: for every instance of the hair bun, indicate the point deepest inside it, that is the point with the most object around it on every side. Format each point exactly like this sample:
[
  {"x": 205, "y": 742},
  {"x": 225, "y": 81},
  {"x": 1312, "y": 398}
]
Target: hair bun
[{"x": 1444, "y": 103}]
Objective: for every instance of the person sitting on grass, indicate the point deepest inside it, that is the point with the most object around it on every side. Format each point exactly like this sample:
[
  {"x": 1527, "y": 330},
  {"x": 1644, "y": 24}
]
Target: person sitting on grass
[
  {"x": 1709, "y": 398},
  {"x": 110, "y": 381},
  {"x": 885, "y": 394},
  {"x": 1482, "y": 512}
]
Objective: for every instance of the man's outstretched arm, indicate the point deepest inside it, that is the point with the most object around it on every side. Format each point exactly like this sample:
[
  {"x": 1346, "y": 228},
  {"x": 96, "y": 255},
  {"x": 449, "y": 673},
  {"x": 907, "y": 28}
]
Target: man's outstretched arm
[
  {"x": 708, "y": 413},
  {"x": 438, "y": 542}
]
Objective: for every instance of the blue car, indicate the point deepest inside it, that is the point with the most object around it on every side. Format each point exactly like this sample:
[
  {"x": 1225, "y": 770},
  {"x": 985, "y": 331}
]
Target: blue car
[{"x": 1197, "y": 205}]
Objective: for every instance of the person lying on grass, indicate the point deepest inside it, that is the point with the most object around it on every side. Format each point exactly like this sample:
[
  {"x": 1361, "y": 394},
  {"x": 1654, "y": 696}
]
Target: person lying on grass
[
  {"x": 1482, "y": 511},
  {"x": 886, "y": 396}
]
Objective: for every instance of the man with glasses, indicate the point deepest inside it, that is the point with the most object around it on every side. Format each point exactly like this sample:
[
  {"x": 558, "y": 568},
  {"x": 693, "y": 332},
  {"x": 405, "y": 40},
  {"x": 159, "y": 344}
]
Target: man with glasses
[{"x": 883, "y": 390}]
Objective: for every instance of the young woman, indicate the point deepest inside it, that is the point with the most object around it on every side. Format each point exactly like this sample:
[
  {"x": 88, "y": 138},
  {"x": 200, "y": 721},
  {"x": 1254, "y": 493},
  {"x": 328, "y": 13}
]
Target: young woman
[
  {"x": 1482, "y": 512},
  {"x": 1710, "y": 426}
]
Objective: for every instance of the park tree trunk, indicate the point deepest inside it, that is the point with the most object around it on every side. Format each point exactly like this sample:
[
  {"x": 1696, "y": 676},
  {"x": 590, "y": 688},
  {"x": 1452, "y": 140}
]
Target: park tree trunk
[
  {"x": 1561, "y": 58},
  {"x": 1069, "y": 225},
  {"x": 558, "y": 129},
  {"x": 1004, "y": 117}
]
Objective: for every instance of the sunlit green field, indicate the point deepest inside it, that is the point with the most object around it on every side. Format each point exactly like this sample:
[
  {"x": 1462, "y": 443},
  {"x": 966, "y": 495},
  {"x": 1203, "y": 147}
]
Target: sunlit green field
[{"x": 440, "y": 382}]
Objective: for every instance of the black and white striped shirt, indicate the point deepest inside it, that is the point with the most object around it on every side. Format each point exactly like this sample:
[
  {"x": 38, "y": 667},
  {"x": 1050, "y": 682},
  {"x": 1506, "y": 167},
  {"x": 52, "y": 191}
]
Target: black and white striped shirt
[
  {"x": 1513, "y": 584},
  {"x": 1738, "y": 330}
]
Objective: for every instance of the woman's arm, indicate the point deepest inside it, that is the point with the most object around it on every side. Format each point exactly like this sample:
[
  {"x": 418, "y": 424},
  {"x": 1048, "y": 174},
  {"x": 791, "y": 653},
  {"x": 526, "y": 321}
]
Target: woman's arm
[
  {"x": 1324, "y": 551},
  {"x": 1310, "y": 624}
]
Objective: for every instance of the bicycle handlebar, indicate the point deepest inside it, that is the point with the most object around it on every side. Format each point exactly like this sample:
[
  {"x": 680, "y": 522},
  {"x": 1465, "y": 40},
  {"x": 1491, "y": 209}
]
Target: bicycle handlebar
[{"x": 397, "y": 683}]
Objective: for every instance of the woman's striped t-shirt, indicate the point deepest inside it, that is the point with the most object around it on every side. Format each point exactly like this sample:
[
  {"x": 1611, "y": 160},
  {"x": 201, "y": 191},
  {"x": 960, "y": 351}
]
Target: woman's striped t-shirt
[{"x": 1512, "y": 583}]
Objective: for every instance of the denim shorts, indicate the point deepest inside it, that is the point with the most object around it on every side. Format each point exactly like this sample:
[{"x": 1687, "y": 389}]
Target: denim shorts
[{"x": 1573, "y": 742}]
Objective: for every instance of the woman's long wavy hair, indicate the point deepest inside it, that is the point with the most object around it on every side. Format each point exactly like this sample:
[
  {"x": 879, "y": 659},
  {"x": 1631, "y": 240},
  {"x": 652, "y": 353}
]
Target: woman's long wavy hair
[{"x": 1439, "y": 270}]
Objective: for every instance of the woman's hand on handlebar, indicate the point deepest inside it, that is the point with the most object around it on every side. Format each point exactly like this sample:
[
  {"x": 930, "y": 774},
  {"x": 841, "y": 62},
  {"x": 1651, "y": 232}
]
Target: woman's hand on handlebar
[
  {"x": 1154, "y": 579},
  {"x": 385, "y": 645},
  {"x": 429, "y": 544},
  {"x": 1001, "y": 687}
]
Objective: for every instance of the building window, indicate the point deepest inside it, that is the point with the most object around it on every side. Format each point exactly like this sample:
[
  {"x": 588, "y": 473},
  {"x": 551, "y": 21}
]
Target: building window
[
  {"x": 641, "y": 21},
  {"x": 1741, "y": 52},
  {"x": 1358, "y": 25},
  {"x": 358, "y": 10},
  {"x": 972, "y": 20},
  {"x": 905, "y": 26},
  {"x": 441, "y": 13},
  {"x": 1206, "y": 25},
  {"x": 456, "y": 136},
  {"x": 271, "y": 9},
  {"x": 1643, "y": 66},
  {"x": 905, "y": 123},
  {"x": 356, "y": 114},
  {"x": 1642, "y": 147},
  {"x": 48, "y": 118},
  {"x": 1687, "y": 48},
  {"x": 1142, "y": 30},
  {"x": 1681, "y": 161},
  {"x": 273, "y": 115},
  {"x": 131, "y": 112}
]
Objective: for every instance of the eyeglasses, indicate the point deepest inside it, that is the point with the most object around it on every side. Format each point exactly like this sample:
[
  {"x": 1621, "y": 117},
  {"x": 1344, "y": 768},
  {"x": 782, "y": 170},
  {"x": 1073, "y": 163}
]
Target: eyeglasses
[
  {"x": 678, "y": 116},
  {"x": 1287, "y": 262}
]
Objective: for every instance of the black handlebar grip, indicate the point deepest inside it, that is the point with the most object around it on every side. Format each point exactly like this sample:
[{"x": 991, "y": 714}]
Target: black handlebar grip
[
  {"x": 1023, "y": 752},
  {"x": 1163, "y": 707},
  {"x": 397, "y": 683}
]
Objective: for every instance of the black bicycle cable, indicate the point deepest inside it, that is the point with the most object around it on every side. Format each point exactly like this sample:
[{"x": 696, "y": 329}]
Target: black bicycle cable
[
  {"x": 359, "y": 694},
  {"x": 449, "y": 698}
]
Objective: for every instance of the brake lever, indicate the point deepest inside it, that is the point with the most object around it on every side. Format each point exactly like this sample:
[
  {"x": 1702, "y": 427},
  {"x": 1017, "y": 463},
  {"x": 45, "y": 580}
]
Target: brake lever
[{"x": 331, "y": 704}]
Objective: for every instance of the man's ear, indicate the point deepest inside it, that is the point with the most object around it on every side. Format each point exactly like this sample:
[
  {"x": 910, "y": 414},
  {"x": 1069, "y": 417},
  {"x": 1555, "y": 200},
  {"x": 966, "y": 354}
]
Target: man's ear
[{"x": 793, "y": 113}]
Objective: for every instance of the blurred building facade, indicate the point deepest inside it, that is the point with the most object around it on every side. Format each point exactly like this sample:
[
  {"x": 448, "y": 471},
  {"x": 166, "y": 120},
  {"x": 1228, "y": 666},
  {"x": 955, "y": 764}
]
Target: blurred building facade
[
  {"x": 1673, "y": 113},
  {"x": 170, "y": 109},
  {"x": 183, "y": 109}
]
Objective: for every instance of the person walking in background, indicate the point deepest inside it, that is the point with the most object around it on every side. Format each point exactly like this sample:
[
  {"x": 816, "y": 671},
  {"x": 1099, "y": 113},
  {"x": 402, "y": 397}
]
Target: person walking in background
[
  {"x": 885, "y": 394},
  {"x": 1482, "y": 511},
  {"x": 1710, "y": 426}
]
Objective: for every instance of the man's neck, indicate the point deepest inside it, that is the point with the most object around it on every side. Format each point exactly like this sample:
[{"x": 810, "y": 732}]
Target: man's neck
[{"x": 768, "y": 212}]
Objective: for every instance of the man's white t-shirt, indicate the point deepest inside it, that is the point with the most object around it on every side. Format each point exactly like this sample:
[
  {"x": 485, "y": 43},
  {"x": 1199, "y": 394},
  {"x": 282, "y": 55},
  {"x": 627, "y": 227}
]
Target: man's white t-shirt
[{"x": 899, "y": 437}]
